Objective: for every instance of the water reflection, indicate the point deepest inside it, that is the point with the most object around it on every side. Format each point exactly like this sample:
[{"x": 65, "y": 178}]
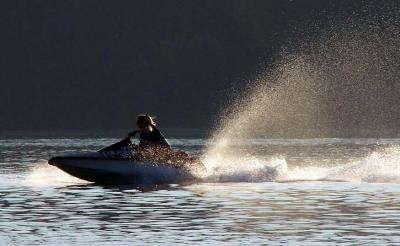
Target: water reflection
[
  {"x": 106, "y": 212},
  {"x": 313, "y": 212}
]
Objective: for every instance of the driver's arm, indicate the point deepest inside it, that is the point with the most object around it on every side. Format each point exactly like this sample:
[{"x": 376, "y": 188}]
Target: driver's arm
[{"x": 132, "y": 134}]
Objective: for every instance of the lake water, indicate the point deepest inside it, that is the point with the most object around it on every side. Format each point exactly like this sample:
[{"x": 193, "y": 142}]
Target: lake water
[{"x": 279, "y": 191}]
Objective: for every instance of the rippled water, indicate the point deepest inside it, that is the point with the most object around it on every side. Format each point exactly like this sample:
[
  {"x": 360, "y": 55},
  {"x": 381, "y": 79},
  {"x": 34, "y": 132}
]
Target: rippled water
[{"x": 238, "y": 205}]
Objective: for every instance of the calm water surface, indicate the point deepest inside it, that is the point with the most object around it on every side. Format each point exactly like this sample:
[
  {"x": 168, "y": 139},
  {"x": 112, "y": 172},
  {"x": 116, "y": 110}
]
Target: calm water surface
[{"x": 41, "y": 205}]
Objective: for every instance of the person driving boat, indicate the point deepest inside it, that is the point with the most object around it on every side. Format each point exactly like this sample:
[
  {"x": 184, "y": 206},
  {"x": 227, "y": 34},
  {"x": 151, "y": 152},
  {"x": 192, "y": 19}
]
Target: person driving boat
[
  {"x": 153, "y": 146},
  {"x": 149, "y": 135}
]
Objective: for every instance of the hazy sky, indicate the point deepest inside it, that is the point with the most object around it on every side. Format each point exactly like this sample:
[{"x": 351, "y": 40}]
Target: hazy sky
[{"x": 96, "y": 64}]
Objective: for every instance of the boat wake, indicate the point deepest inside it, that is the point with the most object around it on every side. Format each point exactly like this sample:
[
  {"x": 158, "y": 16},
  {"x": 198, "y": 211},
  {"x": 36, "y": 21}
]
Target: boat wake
[{"x": 379, "y": 167}]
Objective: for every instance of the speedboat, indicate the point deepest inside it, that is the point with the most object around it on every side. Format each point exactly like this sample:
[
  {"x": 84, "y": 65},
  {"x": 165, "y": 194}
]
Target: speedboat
[{"x": 115, "y": 165}]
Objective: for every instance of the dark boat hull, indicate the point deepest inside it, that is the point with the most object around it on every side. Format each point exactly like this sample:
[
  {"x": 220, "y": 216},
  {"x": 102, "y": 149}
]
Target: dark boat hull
[{"x": 121, "y": 171}]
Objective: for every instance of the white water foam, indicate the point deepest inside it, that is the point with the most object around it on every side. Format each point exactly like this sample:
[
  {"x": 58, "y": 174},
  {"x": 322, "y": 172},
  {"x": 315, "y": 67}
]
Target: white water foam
[
  {"x": 43, "y": 174},
  {"x": 235, "y": 169},
  {"x": 379, "y": 167}
]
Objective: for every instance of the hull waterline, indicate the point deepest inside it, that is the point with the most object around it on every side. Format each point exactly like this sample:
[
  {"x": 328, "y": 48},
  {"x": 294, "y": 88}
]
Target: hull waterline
[{"x": 121, "y": 171}]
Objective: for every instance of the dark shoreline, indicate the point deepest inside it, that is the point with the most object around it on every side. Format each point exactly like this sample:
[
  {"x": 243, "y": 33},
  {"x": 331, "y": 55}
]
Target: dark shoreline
[
  {"x": 117, "y": 133},
  {"x": 186, "y": 133}
]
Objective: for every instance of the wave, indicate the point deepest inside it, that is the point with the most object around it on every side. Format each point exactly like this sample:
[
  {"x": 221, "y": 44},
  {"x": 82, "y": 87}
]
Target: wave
[
  {"x": 379, "y": 167},
  {"x": 43, "y": 175}
]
